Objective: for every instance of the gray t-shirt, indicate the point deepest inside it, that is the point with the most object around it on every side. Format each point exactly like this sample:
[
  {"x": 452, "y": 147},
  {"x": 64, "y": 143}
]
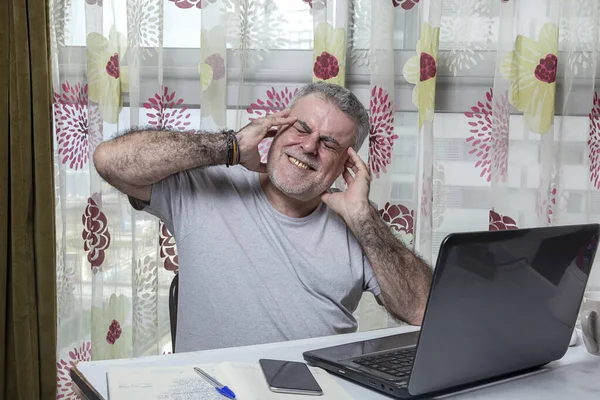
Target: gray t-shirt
[{"x": 249, "y": 274}]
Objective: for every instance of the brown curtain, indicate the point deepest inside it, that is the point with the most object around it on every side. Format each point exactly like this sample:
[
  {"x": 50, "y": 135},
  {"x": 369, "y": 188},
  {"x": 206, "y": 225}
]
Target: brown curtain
[{"x": 27, "y": 245}]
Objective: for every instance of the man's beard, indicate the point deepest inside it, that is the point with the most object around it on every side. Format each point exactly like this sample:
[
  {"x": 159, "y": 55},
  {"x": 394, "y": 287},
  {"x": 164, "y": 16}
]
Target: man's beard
[{"x": 302, "y": 192}]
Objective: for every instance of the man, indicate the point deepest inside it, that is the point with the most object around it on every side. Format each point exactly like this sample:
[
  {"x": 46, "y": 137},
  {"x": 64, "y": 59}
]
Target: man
[{"x": 267, "y": 252}]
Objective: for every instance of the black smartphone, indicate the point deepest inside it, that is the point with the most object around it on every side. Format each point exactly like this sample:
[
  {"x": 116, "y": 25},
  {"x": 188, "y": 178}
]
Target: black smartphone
[{"x": 289, "y": 377}]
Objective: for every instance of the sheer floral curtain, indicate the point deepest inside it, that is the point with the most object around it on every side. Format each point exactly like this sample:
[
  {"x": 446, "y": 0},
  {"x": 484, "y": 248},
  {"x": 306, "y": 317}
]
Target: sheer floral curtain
[
  {"x": 507, "y": 129},
  {"x": 484, "y": 113}
]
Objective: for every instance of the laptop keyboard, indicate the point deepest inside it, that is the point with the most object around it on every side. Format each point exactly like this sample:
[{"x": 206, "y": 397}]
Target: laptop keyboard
[{"x": 397, "y": 363}]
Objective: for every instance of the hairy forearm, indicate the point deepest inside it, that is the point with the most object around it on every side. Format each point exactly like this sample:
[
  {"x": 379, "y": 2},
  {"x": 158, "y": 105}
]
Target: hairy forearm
[
  {"x": 404, "y": 278},
  {"x": 145, "y": 157}
]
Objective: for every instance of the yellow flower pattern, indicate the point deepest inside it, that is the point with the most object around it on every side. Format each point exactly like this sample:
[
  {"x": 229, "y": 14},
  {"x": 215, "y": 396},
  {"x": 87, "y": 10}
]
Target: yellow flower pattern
[
  {"x": 107, "y": 78},
  {"x": 532, "y": 69},
  {"x": 329, "y": 55},
  {"x": 111, "y": 335},
  {"x": 213, "y": 74},
  {"x": 421, "y": 70}
]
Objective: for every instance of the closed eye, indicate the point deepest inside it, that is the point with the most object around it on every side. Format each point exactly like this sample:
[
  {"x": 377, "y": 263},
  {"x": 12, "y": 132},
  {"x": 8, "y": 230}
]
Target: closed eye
[
  {"x": 304, "y": 127},
  {"x": 330, "y": 142},
  {"x": 329, "y": 145},
  {"x": 300, "y": 130}
]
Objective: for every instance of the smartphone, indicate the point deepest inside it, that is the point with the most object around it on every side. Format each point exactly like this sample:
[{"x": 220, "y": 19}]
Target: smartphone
[{"x": 289, "y": 377}]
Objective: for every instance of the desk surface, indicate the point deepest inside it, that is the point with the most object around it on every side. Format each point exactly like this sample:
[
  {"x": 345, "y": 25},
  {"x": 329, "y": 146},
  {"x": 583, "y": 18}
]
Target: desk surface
[{"x": 576, "y": 375}]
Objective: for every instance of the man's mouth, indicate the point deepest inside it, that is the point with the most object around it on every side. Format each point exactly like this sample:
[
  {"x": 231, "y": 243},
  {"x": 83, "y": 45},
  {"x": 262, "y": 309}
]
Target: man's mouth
[{"x": 299, "y": 163}]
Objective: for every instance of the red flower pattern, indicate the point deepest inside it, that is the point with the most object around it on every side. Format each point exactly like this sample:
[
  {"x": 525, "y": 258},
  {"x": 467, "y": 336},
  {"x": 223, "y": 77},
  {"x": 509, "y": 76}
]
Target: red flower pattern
[
  {"x": 217, "y": 63},
  {"x": 381, "y": 135},
  {"x": 326, "y": 66},
  {"x": 428, "y": 69},
  {"x": 557, "y": 201},
  {"x": 316, "y": 4},
  {"x": 406, "y": 4},
  {"x": 168, "y": 248},
  {"x": 545, "y": 71},
  {"x": 95, "y": 232},
  {"x": 192, "y": 3},
  {"x": 164, "y": 111},
  {"x": 63, "y": 366},
  {"x": 499, "y": 222},
  {"x": 594, "y": 142},
  {"x": 71, "y": 113},
  {"x": 263, "y": 149},
  {"x": 399, "y": 218},
  {"x": 490, "y": 131},
  {"x": 114, "y": 332},
  {"x": 112, "y": 66},
  {"x": 275, "y": 101},
  {"x": 552, "y": 204}
]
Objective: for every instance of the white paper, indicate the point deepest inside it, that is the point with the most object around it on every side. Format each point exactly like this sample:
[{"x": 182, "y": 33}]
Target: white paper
[
  {"x": 183, "y": 383},
  {"x": 161, "y": 383}
]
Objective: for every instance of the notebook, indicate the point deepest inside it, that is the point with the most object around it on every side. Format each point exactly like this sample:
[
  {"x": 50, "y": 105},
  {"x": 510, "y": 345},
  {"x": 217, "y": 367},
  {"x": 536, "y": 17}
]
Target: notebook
[{"x": 182, "y": 382}]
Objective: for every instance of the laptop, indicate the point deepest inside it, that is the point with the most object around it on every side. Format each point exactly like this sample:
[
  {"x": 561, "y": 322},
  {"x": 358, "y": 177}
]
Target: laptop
[{"x": 501, "y": 304}]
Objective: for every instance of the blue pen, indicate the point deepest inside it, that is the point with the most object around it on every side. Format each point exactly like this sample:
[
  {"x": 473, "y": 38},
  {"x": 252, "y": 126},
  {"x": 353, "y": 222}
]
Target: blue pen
[{"x": 224, "y": 390}]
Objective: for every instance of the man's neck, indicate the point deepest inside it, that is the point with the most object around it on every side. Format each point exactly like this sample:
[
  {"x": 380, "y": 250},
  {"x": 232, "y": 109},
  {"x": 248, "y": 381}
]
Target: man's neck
[{"x": 285, "y": 204}]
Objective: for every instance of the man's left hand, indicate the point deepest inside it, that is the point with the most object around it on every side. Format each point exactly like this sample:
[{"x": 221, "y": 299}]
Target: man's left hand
[{"x": 353, "y": 204}]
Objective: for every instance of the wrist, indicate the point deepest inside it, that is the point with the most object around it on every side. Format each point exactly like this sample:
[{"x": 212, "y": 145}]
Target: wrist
[
  {"x": 246, "y": 146},
  {"x": 364, "y": 214},
  {"x": 232, "y": 148},
  {"x": 204, "y": 150}
]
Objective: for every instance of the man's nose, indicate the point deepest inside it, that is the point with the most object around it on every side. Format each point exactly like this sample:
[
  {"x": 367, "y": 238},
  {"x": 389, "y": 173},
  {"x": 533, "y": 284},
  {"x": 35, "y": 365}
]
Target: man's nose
[{"x": 310, "y": 144}]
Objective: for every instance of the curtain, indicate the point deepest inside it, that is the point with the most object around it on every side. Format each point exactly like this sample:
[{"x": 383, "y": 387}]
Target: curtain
[
  {"x": 27, "y": 236},
  {"x": 484, "y": 116}
]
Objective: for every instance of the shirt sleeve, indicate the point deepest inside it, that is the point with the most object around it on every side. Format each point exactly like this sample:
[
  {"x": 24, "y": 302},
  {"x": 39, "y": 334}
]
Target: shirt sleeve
[
  {"x": 176, "y": 199},
  {"x": 370, "y": 282},
  {"x": 161, "y": 204}
]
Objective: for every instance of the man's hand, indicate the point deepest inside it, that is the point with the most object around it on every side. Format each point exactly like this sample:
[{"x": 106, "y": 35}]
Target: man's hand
[
  {"x": 251, "y": 135},
  {"x": 353, "y": 204},
  {"x": 404, "y": 278}
]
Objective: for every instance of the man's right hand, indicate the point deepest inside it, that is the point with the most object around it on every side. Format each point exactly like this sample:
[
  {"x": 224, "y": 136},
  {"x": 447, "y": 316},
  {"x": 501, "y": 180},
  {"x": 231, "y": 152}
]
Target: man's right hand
[{"x": 252, "y": 134}]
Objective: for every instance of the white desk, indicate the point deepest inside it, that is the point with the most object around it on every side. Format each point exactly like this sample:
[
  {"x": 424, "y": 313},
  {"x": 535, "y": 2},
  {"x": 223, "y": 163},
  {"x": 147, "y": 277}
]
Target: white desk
[{"x": 575, "y": 376}]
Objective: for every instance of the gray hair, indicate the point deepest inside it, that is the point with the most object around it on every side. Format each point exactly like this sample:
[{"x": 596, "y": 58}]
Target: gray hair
[{"x": 344, "y": 100}]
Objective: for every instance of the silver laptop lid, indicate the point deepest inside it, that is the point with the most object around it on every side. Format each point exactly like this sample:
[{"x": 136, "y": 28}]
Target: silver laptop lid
[{"x": 501, "y": 302}]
